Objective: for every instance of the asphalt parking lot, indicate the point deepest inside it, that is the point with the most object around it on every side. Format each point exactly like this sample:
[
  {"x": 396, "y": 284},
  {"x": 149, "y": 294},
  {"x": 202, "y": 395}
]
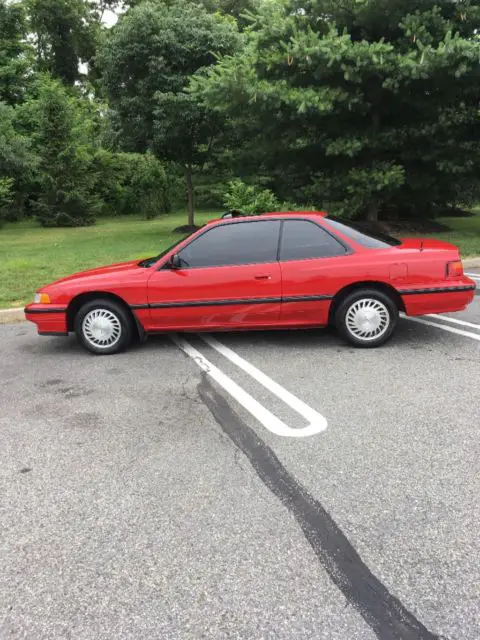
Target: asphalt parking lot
[{"x": 262, "y": 485}]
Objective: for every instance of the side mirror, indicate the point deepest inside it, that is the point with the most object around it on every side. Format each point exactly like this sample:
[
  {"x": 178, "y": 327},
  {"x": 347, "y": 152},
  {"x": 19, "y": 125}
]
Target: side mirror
[{"x": 175, "y": 262}]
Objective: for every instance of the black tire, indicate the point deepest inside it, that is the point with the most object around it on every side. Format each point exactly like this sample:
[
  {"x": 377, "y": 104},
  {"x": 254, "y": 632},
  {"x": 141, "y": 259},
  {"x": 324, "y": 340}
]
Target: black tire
[
  {"x": 115, "y": 315},
  {"x": 386, "y": 311}
]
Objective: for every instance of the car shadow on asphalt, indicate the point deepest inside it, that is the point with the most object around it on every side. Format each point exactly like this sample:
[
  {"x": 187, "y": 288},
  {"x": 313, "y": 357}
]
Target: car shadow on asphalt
[
  {"x": 407, "y": 335},
  {"x": 69, "y": 345},
  {"x": 48, "y": 345}
]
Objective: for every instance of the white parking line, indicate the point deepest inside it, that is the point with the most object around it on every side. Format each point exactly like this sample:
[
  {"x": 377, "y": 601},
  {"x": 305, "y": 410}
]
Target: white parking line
[
  {"x": 317, "y": 422},
  {"x": 454, "y": 320},
  {"x": 460, "y": 332},
  {"x": 475, "y": 276},
  {"x": 312, "y": 416}
]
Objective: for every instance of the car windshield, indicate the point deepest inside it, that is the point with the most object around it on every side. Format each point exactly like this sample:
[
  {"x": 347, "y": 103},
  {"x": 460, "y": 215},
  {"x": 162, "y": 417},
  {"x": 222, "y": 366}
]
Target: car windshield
[
  {"x": 362, "y": 234},
  {"x": 151, "y": 261}
]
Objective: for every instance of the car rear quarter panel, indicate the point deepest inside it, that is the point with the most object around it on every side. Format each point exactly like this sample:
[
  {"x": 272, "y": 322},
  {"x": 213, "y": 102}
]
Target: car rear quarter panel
[
  {"x": 427, "y": 271},
  {"x": 326, "y": 277},
  {"x": 403, "y": 269}
]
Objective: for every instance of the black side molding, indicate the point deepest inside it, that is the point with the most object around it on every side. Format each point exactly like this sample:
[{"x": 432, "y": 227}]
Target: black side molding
[
  {"x": 52, "y": 310},
  {"x": 306, "y": 298},
  {"x": 226, "y": 303},
  {"x": 213, "y": 303},
  {"x": 408, "y": 292}
]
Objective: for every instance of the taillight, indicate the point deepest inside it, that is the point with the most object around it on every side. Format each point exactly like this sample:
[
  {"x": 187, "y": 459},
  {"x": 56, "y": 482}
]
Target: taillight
[{"x": 454, "y": 269}]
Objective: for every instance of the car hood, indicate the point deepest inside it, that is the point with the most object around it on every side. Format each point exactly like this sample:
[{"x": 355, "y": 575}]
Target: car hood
[{"x": 102, "y": 271}]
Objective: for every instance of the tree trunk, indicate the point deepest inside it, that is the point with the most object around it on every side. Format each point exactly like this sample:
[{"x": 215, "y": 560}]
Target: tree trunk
[{"x": 191, "y": 196}]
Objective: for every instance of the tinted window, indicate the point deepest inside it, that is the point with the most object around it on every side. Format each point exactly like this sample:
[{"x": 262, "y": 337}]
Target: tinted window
[
  {"x": 372, "y": 240},
  {"x": 237, "y": 243},
  {"x": 302, "y": 239}
]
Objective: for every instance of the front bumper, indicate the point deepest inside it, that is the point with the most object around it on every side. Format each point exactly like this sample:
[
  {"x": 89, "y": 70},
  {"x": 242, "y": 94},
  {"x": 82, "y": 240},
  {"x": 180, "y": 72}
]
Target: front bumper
[{"x": 50, "y": 319}]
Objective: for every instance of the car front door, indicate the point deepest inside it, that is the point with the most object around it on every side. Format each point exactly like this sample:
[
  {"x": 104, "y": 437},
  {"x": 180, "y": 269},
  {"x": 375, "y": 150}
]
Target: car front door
[
  {"x": 313, "y": 264},
  {"x": 227, "y": 277}
]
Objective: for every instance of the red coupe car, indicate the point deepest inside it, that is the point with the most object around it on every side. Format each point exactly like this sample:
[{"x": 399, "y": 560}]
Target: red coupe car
[{"x": 272, "y": 271}]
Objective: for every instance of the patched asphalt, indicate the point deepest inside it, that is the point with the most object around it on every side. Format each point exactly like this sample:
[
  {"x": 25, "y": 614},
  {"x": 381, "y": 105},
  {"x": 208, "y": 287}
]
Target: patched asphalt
[{"x": 138, "y": 500}]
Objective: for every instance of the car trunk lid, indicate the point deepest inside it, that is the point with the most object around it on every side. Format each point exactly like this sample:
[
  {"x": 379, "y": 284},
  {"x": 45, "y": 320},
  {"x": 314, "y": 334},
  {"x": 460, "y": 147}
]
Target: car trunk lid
[{"x": 423, "y": 244}]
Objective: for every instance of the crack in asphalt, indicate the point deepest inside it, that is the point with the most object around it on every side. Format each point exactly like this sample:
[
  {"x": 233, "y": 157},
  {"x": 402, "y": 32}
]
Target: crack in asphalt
[{"x": 388, "y": 618}]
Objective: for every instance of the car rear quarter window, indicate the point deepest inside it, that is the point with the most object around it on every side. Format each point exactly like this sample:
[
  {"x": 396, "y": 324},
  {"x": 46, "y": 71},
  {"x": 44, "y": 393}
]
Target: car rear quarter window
[
  {"x": 370, "y": 240},
  {"x": 234, "y": 244},
  {"x": 302, "y": 239}
]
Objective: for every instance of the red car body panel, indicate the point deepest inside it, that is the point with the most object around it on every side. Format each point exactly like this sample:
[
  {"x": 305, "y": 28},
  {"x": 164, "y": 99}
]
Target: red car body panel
[
  {"x": 296, "y": 293},
  {"x": 227, "y": 287}
]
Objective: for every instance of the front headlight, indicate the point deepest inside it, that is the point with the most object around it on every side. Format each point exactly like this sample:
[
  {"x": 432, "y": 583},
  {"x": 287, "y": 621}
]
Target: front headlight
[{"x": 41, "y": 298}]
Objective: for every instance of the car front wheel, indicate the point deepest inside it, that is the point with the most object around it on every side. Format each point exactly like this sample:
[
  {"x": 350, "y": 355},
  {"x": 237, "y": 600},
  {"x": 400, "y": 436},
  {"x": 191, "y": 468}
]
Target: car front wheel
[
  {"x": 366, "y": 318},
  {"x": 103, "y": 327}
]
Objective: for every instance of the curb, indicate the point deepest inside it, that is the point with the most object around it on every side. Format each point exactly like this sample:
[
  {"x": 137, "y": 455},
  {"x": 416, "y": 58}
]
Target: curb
[
  {"x": 9, "y": 316},
  {"x": 470, "y": 263}
]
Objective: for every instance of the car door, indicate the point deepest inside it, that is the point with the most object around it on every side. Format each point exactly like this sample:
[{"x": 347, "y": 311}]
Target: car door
[
  {"x": 229, "y": 277},
  {"x": 313, "y": 263}
]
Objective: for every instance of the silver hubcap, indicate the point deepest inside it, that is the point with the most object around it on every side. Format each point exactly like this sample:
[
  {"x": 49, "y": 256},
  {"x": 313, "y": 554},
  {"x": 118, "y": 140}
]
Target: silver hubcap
[
  {"x": 367, "y": 319},
  {"x": 101, "y": 328}
]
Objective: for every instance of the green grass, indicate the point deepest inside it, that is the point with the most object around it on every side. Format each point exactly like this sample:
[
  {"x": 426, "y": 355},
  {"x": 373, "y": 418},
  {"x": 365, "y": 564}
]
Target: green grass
[{"x": 31, "y": 256}]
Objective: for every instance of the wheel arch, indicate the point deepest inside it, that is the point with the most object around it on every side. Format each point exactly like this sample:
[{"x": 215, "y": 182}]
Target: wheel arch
[
  {"x": 79, "y": 300},
  {"x": 365, "y": 284}
]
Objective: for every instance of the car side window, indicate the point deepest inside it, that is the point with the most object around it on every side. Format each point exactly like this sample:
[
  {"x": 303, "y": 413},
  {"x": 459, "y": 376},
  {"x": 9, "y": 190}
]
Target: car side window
[
  {"x": 233, "y": 244},
  {"x": 302, "y": 239}
]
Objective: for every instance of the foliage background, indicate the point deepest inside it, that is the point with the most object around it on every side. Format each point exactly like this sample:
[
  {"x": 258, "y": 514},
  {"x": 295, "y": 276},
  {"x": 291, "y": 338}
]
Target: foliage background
[{"x": 366, "y": 108}]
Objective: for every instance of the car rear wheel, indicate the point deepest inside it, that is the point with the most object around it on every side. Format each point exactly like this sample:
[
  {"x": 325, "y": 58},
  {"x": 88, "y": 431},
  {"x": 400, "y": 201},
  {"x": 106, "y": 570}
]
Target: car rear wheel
[
  {"x": 103, "y": 327},
  {"x": 366, "y": 318}
]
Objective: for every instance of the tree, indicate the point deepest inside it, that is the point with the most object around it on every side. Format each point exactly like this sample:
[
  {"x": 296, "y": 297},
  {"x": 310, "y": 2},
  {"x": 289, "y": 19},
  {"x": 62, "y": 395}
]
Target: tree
[
  {"x": 238, "y": 9},
  {"x": 60, "y": 129},
  {"x": 147, "y": 62},
  {"x": 15, "y": 53},
  {"x": 130, "y": 182},
  {"x": 65, "y": 34},
  {"x": 361, "y": 106},
  {"x": 18, "y": 165},
  {"x": 99, "y": 7},
  {"x": 6, "y": 197}
]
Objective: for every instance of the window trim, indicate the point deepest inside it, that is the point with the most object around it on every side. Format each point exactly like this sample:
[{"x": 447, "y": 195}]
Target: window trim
[
  {"x": 228, "y": 224},
  {"x": 347, "y": 248}
]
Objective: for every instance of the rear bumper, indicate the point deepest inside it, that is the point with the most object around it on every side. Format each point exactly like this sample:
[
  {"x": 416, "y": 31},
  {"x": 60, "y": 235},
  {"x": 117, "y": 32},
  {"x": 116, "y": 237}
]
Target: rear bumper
[
  {"x": 443, "y": 298},
  {"x": 50, "y": 319}
]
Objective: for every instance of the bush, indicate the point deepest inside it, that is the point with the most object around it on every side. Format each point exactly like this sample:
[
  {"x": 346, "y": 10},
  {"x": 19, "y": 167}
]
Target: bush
[
  {"x": 66, "y": 209},
  {"x": 130, "y": 183},
  {"x": 148, "y": 185},
  {"x": 250, "y": 199},
  {"x": 210, "y": 187},
  {"x": 210, "y": 195}
]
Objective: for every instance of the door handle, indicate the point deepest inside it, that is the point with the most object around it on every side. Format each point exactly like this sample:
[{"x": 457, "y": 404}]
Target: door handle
[{"x": 263, "y": 277}]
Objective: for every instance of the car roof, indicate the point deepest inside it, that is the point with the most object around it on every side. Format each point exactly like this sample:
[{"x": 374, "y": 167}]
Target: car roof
[{"x": 274, "y": 214}]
